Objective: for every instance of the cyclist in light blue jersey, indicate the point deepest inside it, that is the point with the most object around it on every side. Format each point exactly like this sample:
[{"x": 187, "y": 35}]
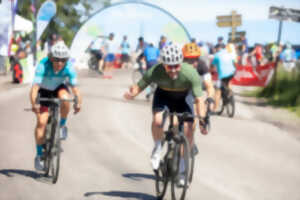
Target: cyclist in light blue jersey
[
  {"x": 224, "y": 63},
  {"x": 51, "y": 78}
]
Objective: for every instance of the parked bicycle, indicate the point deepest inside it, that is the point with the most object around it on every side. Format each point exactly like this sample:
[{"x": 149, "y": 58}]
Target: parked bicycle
[
  {"x": 226, "y": 101},
  {"x": 52, "y": 147}
]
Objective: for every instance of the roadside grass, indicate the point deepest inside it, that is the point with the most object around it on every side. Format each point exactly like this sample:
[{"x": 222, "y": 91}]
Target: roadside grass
[{"x": 286, "y": 94}]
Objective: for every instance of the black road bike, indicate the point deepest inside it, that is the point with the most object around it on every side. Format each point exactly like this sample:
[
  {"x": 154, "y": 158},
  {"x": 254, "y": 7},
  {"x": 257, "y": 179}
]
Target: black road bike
[
  {"x": 176, "y": 146},
  {"x": 52, "y": 146},
  {"x": 226, "y": 101}
]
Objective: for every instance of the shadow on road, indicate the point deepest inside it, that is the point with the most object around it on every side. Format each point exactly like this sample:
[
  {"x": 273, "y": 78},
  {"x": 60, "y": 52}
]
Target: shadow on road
[
  {"x": 123, "y": 194},
  {"x": 119, "y": 100},
  {"x": 139, "y": 177},
  {"x": 25, "y": 173}
]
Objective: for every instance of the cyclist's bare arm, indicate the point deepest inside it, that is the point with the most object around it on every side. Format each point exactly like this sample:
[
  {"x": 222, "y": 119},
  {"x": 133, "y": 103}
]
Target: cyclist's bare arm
[
  {"x": 33, "y": 96},
  {"x": 77, "y": 94},
  {"x": 209, "y": 88},
  {"x": 200, "y": 111},
  {"x": 133, "y": 92}
]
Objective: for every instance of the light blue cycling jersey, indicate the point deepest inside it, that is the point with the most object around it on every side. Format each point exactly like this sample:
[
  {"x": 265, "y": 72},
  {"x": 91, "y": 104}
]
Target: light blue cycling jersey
[
  {"x": 224, "y": 64},
  {"x": 47, "y": 79}
]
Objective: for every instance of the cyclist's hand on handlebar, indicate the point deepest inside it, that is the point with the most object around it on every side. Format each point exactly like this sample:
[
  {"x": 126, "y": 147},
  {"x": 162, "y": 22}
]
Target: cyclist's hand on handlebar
[
  {"x": 128, "y": 96},
  {"x": 77, "y": 108},
  {"x": 203, "y": 127},
  {"x": 35, "y": 108}
]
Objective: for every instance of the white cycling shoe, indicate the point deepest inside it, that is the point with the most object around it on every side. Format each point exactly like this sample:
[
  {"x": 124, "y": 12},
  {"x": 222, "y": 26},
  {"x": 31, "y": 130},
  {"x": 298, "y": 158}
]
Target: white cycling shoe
[
  {"x": 155, "y": 157},
  {"x": 63, "y": 133},
  {"x": 39, "y": 163}
]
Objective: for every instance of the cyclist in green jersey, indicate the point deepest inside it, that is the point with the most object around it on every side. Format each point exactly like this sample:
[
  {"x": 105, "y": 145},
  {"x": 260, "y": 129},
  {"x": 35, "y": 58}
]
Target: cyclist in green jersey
[{"x": 178, "y": 87}]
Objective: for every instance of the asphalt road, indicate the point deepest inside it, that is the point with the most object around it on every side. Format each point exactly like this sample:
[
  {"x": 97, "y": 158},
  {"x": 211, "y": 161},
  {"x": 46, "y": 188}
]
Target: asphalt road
[{"x": 107, "y": 153}]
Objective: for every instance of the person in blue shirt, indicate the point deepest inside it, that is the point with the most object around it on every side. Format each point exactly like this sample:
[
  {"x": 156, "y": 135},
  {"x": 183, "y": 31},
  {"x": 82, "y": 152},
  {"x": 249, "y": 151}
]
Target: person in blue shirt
[
  {"x": 224, "y": 63},
  {"x": 125, "y": 48},
  {"x": 51, "y": 77},
  {"x": 151, "y": 54},
  {"x": 288, "y": 57}
]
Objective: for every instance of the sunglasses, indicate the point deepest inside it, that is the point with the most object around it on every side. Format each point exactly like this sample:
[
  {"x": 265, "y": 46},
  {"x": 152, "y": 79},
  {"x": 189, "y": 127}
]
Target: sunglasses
[
  {"x": 60, "y": 59},
  {"x": 170, "y": 67}
]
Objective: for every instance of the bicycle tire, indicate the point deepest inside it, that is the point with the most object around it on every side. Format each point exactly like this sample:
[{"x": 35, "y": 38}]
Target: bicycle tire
[
  {"x": 136, "y": 76},
  {"x": 230, "y": 107},
  {"x": 161, "y": 179},
  {"x": 47, "y": 157},
  {"x": 178, "y": 193},
  {"x": 54, "y": 163},
  {"x": 192, "y": 165}
]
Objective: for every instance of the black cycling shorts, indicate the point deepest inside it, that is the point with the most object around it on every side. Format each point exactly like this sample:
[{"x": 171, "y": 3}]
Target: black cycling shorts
[
  {"x": 175, "y": 101},
  {"x": 44, "y": 93}
]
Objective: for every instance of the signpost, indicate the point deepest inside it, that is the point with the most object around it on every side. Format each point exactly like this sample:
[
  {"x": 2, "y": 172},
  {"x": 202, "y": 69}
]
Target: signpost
[
  {"x": 282, "y": 14},
  {"x": 234, "y": 20}
]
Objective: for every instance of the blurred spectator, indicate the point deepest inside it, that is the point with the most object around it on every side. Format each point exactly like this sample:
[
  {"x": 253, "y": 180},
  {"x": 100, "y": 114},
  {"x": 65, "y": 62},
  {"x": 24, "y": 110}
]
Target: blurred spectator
[
  {"x": 288, "y": 57},
  {"x": 110, "y": 48},
  {"x": 257, "y": 54},
  {"x": 125, "y": 47},
  {"x": 162, "y": 42}
]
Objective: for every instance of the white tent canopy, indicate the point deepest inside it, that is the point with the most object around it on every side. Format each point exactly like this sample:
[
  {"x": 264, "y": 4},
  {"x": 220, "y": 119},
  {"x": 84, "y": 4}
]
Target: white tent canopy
[{"x": 22, "y": 24}]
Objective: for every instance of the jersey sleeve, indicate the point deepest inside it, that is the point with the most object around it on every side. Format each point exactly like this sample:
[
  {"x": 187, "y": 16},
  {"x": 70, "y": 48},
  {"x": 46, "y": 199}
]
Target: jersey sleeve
[
  {"x": 147, "y": 78},
  {"x": 72, "y": 75},
  {"x": 39, "y": 73},
  {"x": 196, "y": 84}
]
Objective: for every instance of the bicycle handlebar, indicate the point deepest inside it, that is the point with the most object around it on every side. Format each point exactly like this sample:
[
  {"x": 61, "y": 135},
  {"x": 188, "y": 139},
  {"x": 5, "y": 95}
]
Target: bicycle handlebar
[{"x": 57, "y": 100}]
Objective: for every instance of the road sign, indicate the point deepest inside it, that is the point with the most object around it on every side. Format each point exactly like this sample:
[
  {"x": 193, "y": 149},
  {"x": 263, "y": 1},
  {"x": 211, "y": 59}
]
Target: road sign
[
  {"x": 283, "y": 14},
  {"x": 232, "y": 20},
  {"x": 229, "y": 24}
]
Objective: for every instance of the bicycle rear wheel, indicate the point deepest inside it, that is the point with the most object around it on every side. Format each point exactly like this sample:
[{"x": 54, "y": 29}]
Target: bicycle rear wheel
[
  {"x": 161, "y": 179},
  {"x": 179, "y": 191},
  {"x": 230, "y": 107}
]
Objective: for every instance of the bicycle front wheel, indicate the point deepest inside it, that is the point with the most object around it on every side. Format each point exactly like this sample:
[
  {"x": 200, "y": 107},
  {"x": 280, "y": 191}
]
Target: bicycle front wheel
[
  {"x": 161, "y": 179},
  {"x": 55, "y": 154},
  {"x": 180, "y": 177}
]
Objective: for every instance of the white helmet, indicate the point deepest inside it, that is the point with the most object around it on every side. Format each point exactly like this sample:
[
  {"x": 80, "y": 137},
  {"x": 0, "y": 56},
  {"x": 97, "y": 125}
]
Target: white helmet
[
  {"x": 60, "y": 50},
  {"x": 171, "y": 54}
]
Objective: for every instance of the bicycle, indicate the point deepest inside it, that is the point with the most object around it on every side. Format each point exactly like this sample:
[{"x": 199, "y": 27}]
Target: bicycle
[
  {"x": 177, "y": 147},
  {"x": 52, "y": 146},
  {"x": 93, "y": 63},
  {"x": 226, "y": 101}
]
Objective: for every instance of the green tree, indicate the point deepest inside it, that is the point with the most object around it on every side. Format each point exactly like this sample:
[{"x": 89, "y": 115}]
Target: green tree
[{"x": 69, "y": 16}]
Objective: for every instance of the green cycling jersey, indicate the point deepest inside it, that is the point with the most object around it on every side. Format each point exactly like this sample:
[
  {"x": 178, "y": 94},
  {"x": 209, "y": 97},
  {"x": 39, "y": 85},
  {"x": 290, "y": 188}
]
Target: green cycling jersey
[{"x": 188, "y": 79}]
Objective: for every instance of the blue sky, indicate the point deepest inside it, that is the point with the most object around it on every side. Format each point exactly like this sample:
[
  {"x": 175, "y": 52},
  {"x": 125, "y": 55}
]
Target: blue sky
[{"x": 198, "y": 17}]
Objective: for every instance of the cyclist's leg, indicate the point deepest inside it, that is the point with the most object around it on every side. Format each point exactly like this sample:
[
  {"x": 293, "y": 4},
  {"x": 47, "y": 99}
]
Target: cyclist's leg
[
  {"x": 158, "y": 105},
  {"x": 63, "y": 93},
  {"x": 42, "y": 119},
  {"x": 217, "y": 94}
]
